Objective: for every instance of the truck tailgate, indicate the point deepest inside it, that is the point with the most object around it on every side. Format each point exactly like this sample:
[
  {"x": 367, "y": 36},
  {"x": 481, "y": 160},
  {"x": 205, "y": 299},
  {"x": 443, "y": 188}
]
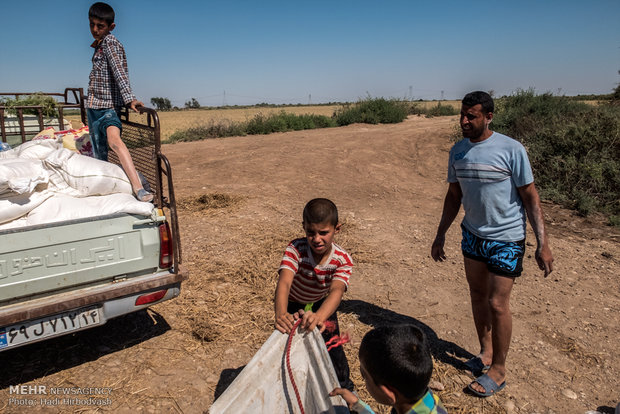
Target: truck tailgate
[{"x": 60, "y": 256}]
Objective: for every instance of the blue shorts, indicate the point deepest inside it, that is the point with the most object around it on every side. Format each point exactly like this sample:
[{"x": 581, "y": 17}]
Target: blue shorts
[
  {"x": 98, "y": 122},
  {"x": 501, "y": 258}
]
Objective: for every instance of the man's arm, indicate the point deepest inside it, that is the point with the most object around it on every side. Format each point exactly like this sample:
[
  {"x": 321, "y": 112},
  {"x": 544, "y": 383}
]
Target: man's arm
[
  {"x": 451, "y": 206},
  {"x": 531, "y": 202},
  {"x": 329, "y": 306}
]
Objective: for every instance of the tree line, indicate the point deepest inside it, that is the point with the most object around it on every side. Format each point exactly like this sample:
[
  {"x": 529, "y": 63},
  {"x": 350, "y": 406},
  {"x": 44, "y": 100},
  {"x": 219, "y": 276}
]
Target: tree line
[{"x": 164, "y": 104}]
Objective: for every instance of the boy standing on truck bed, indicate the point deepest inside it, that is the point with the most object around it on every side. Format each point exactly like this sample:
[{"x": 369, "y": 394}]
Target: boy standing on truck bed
[
  {"x": 108, "y": 91},
  {"x": 314, "y": 274}
]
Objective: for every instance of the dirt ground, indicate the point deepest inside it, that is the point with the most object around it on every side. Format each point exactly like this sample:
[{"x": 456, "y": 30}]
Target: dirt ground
[{"x": 240, "y": 202}]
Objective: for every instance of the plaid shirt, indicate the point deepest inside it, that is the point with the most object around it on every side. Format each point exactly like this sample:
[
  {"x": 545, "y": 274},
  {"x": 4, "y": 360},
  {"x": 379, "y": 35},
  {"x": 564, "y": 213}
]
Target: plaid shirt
[{"x": 108, "y": 84}]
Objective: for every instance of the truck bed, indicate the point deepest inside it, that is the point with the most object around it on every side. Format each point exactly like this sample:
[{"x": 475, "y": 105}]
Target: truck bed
[{"x": 70, "y": 275}]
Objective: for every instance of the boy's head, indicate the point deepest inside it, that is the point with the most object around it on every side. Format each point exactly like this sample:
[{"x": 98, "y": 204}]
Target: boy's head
[
  {"x": 101, "y": 18},
  {"x": 321, "y": 210},
  {"x": 396, "y": 358},
  {"x": 320, "y": 221}
]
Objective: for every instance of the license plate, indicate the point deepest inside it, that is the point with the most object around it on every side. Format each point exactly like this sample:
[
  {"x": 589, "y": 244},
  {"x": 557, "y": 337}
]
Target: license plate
[{"x": 49, "y": 326}]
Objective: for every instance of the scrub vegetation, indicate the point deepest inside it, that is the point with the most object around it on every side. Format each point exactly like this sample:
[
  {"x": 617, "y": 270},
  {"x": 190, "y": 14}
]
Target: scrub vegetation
[
  {"x": 45, "y": 102},
  {"x": 370, "y": 111},
  {"x": 432, "y": 111},
  {"x": 574, "y": 148}
]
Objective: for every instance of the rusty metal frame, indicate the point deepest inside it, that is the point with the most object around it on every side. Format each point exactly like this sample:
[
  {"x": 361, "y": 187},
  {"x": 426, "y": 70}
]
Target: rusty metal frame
[{"x": 71, "y": 98}]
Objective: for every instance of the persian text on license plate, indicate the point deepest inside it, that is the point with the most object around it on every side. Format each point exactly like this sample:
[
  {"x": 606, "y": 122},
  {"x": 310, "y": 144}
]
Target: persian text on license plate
[{"x": 49, "y": 326}]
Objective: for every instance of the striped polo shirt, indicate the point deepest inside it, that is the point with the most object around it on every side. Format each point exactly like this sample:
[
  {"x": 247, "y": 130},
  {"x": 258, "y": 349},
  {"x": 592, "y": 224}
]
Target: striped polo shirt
[
  {"x": 312, "y": 282},
  {"x": 489, "y": 173}
]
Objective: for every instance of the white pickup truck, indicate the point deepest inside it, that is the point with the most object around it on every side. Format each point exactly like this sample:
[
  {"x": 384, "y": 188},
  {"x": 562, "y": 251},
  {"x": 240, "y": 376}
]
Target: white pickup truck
[{"x": 66, "y": 276}]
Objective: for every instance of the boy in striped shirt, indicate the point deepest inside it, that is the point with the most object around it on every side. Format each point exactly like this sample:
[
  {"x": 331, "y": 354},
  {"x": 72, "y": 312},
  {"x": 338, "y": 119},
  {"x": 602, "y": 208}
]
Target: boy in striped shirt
[{"x": 314, "y": 274}]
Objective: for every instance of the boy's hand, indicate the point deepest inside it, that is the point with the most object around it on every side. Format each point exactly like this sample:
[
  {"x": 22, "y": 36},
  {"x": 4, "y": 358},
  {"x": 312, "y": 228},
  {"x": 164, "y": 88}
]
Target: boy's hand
[
  {"x": 310, "y": 320},
  {"x": 135, "y": 104},
  {"x": 285, "y": 322},
  {"x": 347, "y": 395}
]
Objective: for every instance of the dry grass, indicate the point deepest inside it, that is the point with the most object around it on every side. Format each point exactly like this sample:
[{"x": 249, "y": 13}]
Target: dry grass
[
  {"x": 173, "y": 121},
  {"x": 207, "y": 201},
  {"x": 177, "y": 120}
]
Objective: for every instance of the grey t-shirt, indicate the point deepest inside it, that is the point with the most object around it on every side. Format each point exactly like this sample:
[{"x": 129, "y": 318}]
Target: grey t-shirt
[{"x": 489, "y": 173}]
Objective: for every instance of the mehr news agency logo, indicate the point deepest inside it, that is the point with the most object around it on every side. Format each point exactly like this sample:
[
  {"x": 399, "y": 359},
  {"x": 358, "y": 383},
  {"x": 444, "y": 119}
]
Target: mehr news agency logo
[{"x": 32, "y": 395}]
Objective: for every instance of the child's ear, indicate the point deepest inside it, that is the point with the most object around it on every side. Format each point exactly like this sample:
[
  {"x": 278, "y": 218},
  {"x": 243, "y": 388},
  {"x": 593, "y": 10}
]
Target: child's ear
[
  {"x": 112, "y": 26},
  {"x": 389, "y": 392},
  {"x": 338, "y": 226}
]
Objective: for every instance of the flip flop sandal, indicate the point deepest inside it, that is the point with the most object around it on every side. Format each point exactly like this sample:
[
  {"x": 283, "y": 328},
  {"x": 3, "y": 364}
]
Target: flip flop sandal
[
  {"x": 476, "y": 366},
  {"x": 143, "y": 195},
  {"x": 490, "y": 386}
]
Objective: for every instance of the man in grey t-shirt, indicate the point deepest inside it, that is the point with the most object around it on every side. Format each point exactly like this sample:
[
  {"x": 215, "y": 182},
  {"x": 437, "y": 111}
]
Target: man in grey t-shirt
[{"x": 490, "y": 174}]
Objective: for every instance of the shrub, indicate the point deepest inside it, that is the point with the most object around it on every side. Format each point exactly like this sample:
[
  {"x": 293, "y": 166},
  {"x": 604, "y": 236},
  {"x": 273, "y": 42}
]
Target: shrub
[
  {"x": 574, "y": 148},
  {"x": 283, "y": 121},
  {"x": 260, "y": 124},
  {"x": 211, "y": 130},
  {"x": 441, "y": 110},
  {"x": 46, "y": 102},
  {"x": 372, "y": 111}
]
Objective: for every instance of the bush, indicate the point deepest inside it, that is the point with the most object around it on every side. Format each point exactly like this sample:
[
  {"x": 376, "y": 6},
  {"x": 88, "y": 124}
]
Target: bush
[
  {"x": 441, "y": 110},
  {"x": 211, "y": 130},
  {"x": 46, "y": 102},
  {"x": 574, "y": 148},
  {"x": 283, "y": 121},
  {"x": 414, "y": 108},
  {"x": 260, "y": 124},
  {"x": 372, "y": 111}
]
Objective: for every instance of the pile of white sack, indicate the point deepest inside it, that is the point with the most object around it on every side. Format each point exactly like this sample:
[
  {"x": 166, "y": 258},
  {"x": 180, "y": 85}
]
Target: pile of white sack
[{"x": 43, "y": 182}]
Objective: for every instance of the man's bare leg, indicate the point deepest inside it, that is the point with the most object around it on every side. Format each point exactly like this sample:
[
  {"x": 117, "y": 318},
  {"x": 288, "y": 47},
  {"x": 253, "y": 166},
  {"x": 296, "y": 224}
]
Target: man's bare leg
[
  {"x": 492, "y": 317},
  {"x": 479, "y": 291}
]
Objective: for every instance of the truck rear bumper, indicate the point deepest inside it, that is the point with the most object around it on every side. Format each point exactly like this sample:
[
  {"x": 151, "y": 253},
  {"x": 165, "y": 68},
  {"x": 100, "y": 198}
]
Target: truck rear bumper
[{"x": 66, "y": 301}]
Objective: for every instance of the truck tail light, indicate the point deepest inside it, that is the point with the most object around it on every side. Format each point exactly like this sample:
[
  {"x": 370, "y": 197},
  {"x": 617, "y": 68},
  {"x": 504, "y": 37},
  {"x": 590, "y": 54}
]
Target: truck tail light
[
  {"x": 151, "y": 297},
  {"x": 165, "y": 246}
]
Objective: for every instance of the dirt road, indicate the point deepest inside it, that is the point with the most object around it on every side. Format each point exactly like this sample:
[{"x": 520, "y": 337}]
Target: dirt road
[{"x": 240, "y": 203}]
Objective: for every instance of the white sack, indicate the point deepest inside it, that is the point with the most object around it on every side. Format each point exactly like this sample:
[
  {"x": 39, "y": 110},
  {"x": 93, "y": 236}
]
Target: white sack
[
  {"x": 20, "y": 222},
  {"x": 10, "y": 153},
  {"x": 84, "y": 175},
  {"x": 264, "y": 385},
  {"x": 21, "y": 175},
  {"x": 17, "y": 205},
  {"x": 64, "y": 207},
  {"x": 38, "y": 149}
]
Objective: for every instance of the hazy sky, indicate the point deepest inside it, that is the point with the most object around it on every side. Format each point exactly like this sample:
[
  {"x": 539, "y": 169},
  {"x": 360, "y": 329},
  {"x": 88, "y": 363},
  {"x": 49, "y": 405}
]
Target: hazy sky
[{"x": 246, "y": 52}]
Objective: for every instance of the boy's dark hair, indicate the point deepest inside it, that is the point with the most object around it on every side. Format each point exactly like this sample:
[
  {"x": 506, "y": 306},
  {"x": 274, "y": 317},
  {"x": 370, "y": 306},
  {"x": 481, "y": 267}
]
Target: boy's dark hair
[
  {"x": 479, "y": 97},
  {"x": 398, "y": 356},
  {"x": 320, "y": 210},
  {"x": 102, "y": 11}
]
